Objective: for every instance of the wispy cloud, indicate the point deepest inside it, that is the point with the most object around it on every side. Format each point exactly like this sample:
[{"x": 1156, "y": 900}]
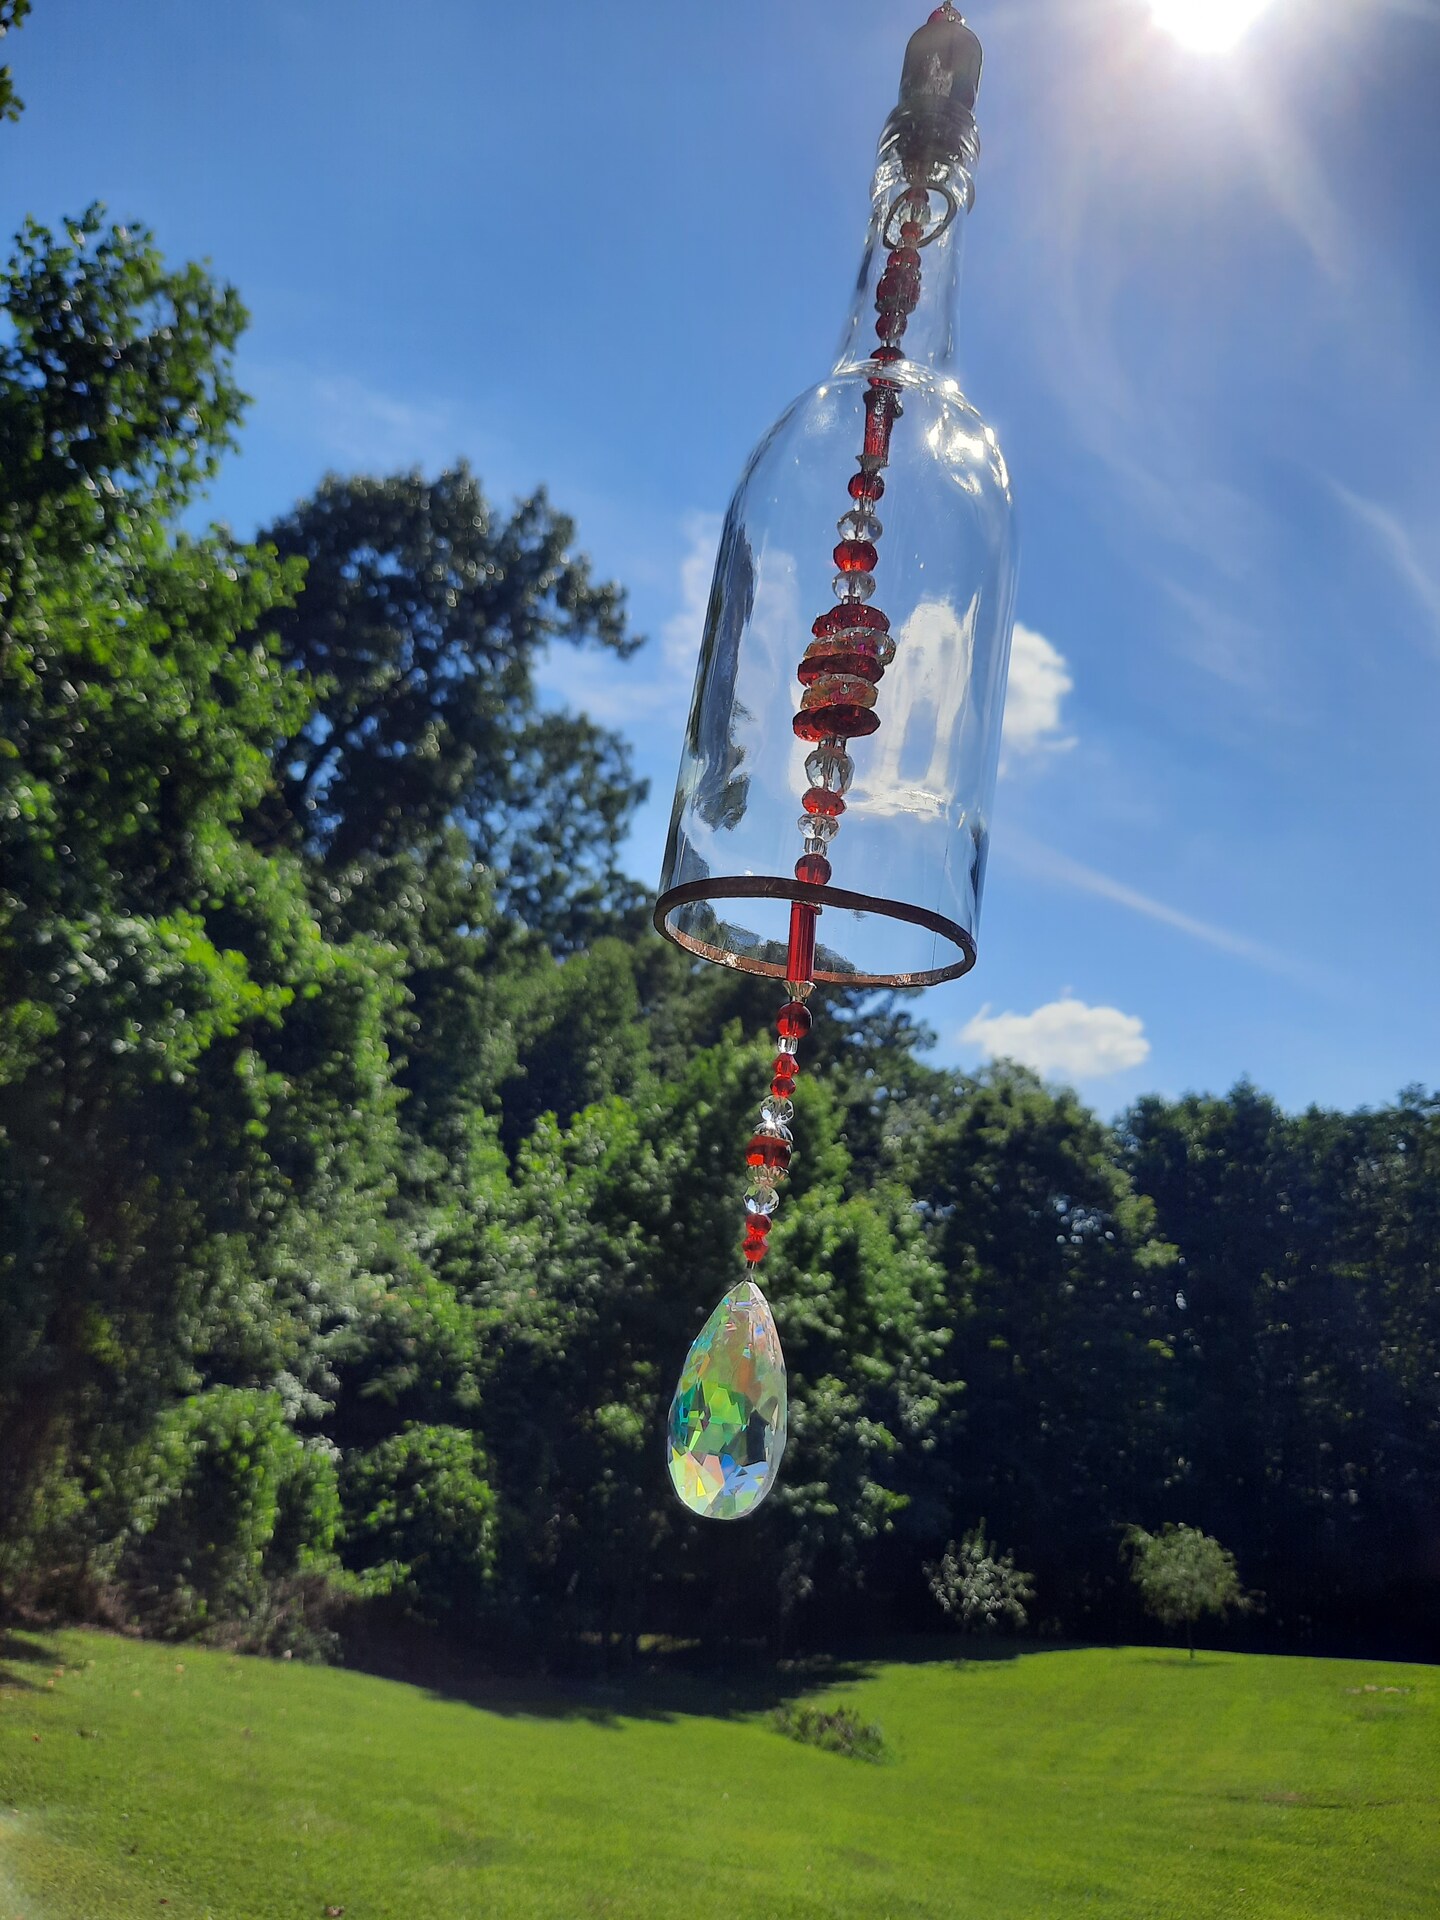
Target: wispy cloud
[
  {"x": 1401, "y": 550},
  {"x": 1063, "y": 1037},
  {"x": 1040, "y": 678},
  {"x": 351, "y": 423},
  {"x": 1044, "y": 863}
]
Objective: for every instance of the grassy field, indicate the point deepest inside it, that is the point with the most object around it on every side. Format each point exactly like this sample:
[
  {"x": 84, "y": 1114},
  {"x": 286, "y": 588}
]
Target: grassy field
[{"x": 139, "y": 1780}]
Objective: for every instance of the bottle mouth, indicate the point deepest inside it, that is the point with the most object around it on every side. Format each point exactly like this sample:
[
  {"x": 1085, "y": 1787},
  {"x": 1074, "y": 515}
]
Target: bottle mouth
[{"x": 933, "y": 124}]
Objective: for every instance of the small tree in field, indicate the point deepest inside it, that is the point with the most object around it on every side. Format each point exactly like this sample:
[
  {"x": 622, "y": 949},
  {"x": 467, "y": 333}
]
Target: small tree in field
[
  {"x": 979, "y": 1586},
  {"x": 1182, "y": 1574}
]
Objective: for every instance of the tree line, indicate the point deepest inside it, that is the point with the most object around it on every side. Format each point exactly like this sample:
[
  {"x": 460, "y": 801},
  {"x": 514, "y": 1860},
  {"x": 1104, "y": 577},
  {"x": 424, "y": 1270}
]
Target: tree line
[{"x": 358, "y": 1139}]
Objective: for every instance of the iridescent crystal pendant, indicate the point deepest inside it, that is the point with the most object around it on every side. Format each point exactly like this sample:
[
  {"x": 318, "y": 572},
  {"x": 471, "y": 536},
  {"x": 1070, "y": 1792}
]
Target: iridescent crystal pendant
[{"x": 727, "y": 1420}]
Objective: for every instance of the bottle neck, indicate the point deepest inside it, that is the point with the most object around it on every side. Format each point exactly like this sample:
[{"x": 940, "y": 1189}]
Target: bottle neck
[{"x": 929, "y": 335}]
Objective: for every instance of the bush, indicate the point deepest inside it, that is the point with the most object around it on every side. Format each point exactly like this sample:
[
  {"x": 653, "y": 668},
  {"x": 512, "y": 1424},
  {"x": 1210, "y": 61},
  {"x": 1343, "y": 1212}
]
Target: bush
[
  {"x": 838, "y": 1730},
  {"x": 1183, "y": 1573},
  {"x": 419, "y": 1507},
  {"x": 979, "y": 1586},
  {"x": 236, "y": 1499}
]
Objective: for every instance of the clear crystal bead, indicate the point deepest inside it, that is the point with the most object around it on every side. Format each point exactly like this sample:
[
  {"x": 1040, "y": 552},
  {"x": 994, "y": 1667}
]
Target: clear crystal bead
[
  {"x": 727, "y": 1427},
  {"x": 819, "y": 830},
  {"x": 859, "y": 524},
  {"x": 774, "y": 1129},
  {"x": 853, "y": 586},
  {"x": 787, "y": 1043},
  {"x": 830, "y": 768},
  {"x": 884, "y": 649},
  {"x": 776, "y": 1113},
  {"x": 761, "y": 1197}
]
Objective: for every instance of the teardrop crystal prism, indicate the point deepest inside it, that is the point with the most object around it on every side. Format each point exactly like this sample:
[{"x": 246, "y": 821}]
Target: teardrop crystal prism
[{"x": 727, "y": 1420}]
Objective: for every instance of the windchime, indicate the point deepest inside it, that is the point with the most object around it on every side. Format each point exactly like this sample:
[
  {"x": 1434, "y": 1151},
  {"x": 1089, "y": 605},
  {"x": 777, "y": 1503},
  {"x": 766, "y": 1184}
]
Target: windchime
[{"x": 882, "y": 734}]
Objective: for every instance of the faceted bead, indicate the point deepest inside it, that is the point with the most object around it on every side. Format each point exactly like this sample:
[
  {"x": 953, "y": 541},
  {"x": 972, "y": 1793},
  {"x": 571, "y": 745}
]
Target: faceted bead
[
  {"x": 757, "y": 1226},
  {"x": 793, "y": 1021},
  {"x": 904, "y": 257},
  {"x": 769, "y": 1151},
  {"x": 778, "y": 1112},
  {"x": 822, "y": 804},
  {"x": 786, "y": 1071},
  {"x": 856, "y": 556},
  {"x": 888, "y": 354},
  {"x": 899, "y": 284},
  {"x": 866, "y": 486},
  {"x": 726, "y": 1434},
  {"x": 831, "y": 768},
  {"x": 853, "y": 586},
  {"x": 812, "y": 844},
  {"x": 849, "y": 721},
  {"x": 859, "y": 524},
  {"x": 890, "y": 326},
  {"x": 848, "y": 688},
  {"x": 754, "y": 1252},
  {"x": 849, "y": 619},
  {"x": 813, "y": 869},
  {"x": 761, "y": 1198},
  {"x": 854, "y": 654},
  {"x": 884, "y": 651},
  {"x": 787, "y": 1043}
]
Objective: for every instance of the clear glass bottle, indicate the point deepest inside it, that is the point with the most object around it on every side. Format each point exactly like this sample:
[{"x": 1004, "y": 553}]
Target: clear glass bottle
[{"x": 907, "y": 740}]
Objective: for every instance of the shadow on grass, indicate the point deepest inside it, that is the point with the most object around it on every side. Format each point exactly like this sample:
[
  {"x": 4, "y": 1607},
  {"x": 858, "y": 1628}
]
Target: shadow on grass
[
  {"x": 664, "y": 1682},
  {"x": 27, "y": 1652}
]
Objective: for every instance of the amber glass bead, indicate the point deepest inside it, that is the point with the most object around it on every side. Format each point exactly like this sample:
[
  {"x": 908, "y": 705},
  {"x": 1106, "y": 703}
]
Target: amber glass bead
[
  {"x": 839, "y": 688},
  {"x": 843, "y": 719},
  {"x": 813, "y": 869},
  {"x": 793, "y": 1020},
  {"x": 866, "y": 486}
]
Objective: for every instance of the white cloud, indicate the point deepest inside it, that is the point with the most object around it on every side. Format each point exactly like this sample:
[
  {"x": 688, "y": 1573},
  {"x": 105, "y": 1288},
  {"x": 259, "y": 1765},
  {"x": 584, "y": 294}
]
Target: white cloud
[
  {"x": 1040, "y": 678},
  {"x": 1402, "y": 550},
  {"x": 1063, "y": 1037},
  {"x": 354, "y": 424},
  {"x": 681, "y": 634}
]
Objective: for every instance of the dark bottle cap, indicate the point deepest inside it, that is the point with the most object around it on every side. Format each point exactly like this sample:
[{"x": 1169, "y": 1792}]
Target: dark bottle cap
[{"x": 934, "y": 120}]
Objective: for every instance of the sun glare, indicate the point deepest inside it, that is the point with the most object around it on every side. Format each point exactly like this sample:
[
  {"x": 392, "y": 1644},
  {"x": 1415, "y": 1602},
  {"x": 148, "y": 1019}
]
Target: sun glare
[{"x": 1209, "y": 26}]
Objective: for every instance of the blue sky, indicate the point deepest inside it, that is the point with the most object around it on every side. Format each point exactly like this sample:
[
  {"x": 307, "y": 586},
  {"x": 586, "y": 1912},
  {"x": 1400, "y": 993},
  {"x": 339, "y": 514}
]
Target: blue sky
[{"x": 602, "y": 247}]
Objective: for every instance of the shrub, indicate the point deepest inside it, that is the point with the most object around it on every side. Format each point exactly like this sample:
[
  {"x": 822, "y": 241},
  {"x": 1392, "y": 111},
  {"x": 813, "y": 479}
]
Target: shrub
[
  {"x": 419, "y": 1506},
  {"x": 835, "y": 1730},
  {"x": 1183, "y": 1573},
  {"x": 979, "y": 1586}
]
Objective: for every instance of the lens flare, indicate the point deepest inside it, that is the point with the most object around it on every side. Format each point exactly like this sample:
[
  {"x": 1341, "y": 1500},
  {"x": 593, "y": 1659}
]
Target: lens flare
[{"x": 1207, "y": 26}]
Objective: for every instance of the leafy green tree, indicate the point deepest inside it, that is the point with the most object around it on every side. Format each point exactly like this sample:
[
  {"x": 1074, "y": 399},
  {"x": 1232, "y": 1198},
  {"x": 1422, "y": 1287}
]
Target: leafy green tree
[
  {"x": 1183, "y": 1574},
  {"x": 198, "y": 1132},
  {"x": 979, "y": 1586},
  {"x": 419, "y": 1506},
  {"x": 422, "y": 620},
  {"x": 12, "y": 14}
]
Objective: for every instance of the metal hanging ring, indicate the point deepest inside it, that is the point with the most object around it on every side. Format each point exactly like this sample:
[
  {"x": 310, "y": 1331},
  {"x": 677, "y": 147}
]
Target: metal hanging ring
[{"x": 890, "y": 232}]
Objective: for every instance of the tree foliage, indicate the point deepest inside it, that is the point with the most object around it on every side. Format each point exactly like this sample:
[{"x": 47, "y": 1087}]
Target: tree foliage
[
  {"x": 1182, "y": 1575},
  {"x": 367, "y": 1167}
]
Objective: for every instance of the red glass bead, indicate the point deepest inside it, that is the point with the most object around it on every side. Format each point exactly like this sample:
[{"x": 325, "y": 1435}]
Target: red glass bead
[
  {"x": 768, "y": 1150},
  {"x": 905, "y": 257},
  {"x": 757, "y": 1225},
  {"x": 800, "y": 954},
  {"x": 843, "y": 721},
  {"x": 866, "y": 486},
  {"x": 814, "y": 870},
  {"x": 910, "y": 230},
  {"x": 890, "y": 326},
  {"x": 754, "y": 1251},
  {"x": 887, "y": 355},
  {"x": 856, "y": 556},
  {"x": 786, "y": 1070},
  {"x": 793, "y": 1020},
  {"x": 843, "y": 619},
  {"x": 836, "y": 656},
  {"x": 882, "y": 409},
  {"x": 898, "y": 287},
  {"x": 818, "y": 800},
  {"x": 847, "y": 688}
]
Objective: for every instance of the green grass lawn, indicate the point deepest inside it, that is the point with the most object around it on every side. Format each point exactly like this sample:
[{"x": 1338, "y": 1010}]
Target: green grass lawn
[{"x": 145, "y": 1780}]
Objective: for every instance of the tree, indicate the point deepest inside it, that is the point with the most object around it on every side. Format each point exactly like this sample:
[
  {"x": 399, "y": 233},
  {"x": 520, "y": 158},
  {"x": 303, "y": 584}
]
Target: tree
[
  {"x": 197, "y": 1131},
  {"x": 12, "y": 13},
  {"x": 423, "y": 617},
  {"x": 979, "y": 1586},
  {"x": 1183, "y": 1574}
]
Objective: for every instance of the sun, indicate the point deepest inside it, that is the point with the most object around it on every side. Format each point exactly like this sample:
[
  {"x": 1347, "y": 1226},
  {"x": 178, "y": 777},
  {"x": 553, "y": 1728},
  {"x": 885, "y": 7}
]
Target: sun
[{"x": 1209, "y": 26}]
